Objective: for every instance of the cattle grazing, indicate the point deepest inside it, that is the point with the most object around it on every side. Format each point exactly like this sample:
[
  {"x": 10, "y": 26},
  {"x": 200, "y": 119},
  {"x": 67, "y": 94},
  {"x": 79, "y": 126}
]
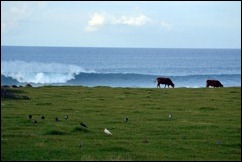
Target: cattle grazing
[
  {"x": 166, "y": 81},
  {"x": 213, "y": 83}
]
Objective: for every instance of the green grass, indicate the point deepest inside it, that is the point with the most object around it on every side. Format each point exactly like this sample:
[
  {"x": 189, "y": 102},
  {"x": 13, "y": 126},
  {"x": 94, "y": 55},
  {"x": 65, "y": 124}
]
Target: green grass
[{"x": 205, "y": 124}]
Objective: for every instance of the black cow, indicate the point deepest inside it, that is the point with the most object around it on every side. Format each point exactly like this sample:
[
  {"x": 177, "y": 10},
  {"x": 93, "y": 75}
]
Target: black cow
[
  {"x": 213, "y": 83},
  {"x": 166, "y": 81}
]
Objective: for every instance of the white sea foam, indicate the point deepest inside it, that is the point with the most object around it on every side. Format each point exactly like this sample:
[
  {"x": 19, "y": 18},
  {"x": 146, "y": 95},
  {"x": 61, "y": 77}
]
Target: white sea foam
[{"x": 39, "y": 72}]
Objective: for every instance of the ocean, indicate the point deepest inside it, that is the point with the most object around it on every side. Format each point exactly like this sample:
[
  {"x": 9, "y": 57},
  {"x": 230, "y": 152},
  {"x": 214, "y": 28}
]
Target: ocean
[{"x": 118, "y": 67}]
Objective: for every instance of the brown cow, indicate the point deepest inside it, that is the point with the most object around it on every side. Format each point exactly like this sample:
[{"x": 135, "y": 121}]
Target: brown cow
[
  {"x": 213, "y": 83},
  {"x": 166, "y": 81}
]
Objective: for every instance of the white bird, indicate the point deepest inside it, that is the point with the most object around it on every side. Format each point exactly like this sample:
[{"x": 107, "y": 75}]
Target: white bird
[
  {"x": 170, "y": 116},
  {"x": 107, "y": 131}
]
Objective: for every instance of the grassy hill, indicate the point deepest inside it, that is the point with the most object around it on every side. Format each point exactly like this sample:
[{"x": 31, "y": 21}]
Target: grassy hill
[{"x": 205, "y": 124}]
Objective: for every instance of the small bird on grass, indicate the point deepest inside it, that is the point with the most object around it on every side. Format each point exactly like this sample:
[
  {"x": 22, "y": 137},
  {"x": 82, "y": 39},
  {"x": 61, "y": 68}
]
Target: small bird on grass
[
  {"x": 83, "y": 125},
  {"x": 56, "y": 119},
  {"x": 107, "y": 131},
  {"x": 126, "y": 120},
  {"x": 34, "y": 121},
  {"x": 30, "y": 116},
  {"x": 170, "y": 116},
  {"x": 42, "y": 117},
  {"x": 66, "y": 117}
]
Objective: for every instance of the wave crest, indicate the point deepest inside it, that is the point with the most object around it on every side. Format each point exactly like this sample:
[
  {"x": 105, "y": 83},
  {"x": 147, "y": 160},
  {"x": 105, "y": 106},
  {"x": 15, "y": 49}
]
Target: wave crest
[{"x": 39, "y": 72}]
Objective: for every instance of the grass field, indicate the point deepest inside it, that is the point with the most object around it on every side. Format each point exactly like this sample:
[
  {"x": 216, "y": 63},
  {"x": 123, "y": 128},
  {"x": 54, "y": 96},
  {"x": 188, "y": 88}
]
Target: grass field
[{"x": 205, "y": 124}]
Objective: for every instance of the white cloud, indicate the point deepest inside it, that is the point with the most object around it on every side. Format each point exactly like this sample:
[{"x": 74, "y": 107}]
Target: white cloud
[
  {"x": 95, "y": 22},
  {"x": 132, "y": 20},
  {"x": 99, "y": 19}
]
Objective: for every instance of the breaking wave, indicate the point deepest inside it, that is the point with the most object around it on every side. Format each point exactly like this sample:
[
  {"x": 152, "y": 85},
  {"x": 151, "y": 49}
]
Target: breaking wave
[{"x": 39, "y": 72}]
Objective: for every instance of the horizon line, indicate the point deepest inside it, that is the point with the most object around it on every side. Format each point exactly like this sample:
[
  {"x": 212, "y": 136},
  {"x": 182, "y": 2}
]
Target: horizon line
[{"x": 122, "y": 47}]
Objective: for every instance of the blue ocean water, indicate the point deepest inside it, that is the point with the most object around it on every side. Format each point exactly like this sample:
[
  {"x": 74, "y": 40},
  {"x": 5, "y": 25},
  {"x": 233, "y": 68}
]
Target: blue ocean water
[{"x": 118, "y": 67}]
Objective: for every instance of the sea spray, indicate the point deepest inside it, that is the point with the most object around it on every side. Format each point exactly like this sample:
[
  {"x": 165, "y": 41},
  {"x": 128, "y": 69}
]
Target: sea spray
[{"x": 39, "y": 72}]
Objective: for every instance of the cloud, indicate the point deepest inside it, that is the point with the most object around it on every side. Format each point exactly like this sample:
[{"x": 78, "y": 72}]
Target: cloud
[
  {"x": 165, "y": 25},
  {"x": 132, "y": 20},
  {"x": 95, "y": 22},
  {"x": 99, "y": 19},
  {"x": 13, "y": 13}
]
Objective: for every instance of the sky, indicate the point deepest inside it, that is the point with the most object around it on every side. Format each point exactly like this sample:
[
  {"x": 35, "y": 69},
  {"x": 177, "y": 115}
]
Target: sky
[{"x": 132, "y": 24}]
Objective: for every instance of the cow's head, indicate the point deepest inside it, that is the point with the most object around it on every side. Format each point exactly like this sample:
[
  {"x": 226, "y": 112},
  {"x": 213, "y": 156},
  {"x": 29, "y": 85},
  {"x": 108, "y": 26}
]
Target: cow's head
[{"x": 173, "y": 85}]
